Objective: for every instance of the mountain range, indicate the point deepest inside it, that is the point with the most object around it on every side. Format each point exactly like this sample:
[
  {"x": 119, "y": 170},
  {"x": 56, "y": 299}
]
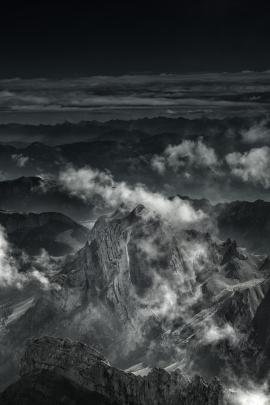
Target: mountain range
[{"x": 147, "y": 295}]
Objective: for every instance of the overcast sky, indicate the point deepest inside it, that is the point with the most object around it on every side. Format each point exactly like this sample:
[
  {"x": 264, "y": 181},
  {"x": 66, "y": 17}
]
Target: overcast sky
[{"x": 77, "y": 38}]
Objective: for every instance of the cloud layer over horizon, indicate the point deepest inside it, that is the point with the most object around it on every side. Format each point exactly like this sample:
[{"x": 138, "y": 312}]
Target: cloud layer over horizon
[{"x": 219, "y": 94}]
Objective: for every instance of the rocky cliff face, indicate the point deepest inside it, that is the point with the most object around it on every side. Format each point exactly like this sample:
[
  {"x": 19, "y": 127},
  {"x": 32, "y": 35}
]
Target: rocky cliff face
[
  {"x": 238, "y": 306},
  {"x": 121, "y": 270},
  {"x": 90, "y": 371},
  {"x": 258, "y": 351}
]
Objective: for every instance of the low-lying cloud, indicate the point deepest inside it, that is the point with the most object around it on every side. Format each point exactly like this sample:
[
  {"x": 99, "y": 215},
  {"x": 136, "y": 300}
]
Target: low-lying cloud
[
  {"x": 252, "y": 166},
  {"x": 9, "y": 275},
  {"x": 39, "y": 267},
  {"x": 195, "y": 154},
  {"x": 20, "y": 159},
  {"x": 199, "y": 91},
  {"x": 257, "y": 133},
  {"x": 87, "y": 183},
  {"x": 214, "y": 334},
  {"x": 248, "y": 395}
]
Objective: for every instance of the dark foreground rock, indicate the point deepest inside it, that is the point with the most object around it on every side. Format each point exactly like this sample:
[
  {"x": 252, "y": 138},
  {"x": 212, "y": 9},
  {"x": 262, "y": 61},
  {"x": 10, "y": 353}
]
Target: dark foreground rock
[
  {"x": 49, "y": 388},
  {"x": 61, "y": 371}
]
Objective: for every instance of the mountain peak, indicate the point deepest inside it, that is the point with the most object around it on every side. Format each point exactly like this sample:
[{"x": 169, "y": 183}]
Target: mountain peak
[{"x": 231, "y": 251}]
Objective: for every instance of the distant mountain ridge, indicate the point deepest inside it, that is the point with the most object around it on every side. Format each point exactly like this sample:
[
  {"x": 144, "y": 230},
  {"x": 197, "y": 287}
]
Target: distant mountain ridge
[
  {"x": 86, "y": 130},
  {"x": 123, "y": 145},
  {"x": 248, "y": 222},
  {"x": 35, "y": 194},
  {"x": 52, "y": 231}
]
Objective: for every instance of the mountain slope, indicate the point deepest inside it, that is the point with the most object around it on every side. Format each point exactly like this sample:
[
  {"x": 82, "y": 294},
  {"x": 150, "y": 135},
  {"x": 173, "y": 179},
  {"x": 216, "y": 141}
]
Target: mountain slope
[
  {"x": 35, "y": 194},
  {"x": 52, "y": 231},
  {"x": 247, "y": 222}
]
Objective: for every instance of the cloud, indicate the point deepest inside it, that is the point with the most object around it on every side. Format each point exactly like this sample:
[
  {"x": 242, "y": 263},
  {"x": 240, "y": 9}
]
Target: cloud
[
  {"x": 9, "y": 275},
  {"x": 87, "y": 183},
  {"x": 163, "y": 299},
  {"x": 20, "y": 159},
  {"x": 3, "y": 175},
  {"x": 202, "y": 93},
  {"x": 250, "y": 395},
  {"x": 214, "y": 333},
  {"x": 174, "y": 298},
  {"x": 158, "y": 163},
  {"x": 39, "y": 268},
  {"x": 252, "y": 166},
  {"x": 194, "y": 154},
  {"x": 257, "y": 133}
]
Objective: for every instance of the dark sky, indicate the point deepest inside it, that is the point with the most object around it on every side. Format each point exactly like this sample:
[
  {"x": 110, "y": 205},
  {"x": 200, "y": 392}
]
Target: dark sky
[{"x": 74, "y": 38}]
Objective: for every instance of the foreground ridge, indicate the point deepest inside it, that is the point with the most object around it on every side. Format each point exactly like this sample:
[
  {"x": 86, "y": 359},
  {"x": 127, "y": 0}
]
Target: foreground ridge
[{"x": 58, "y": 360}]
